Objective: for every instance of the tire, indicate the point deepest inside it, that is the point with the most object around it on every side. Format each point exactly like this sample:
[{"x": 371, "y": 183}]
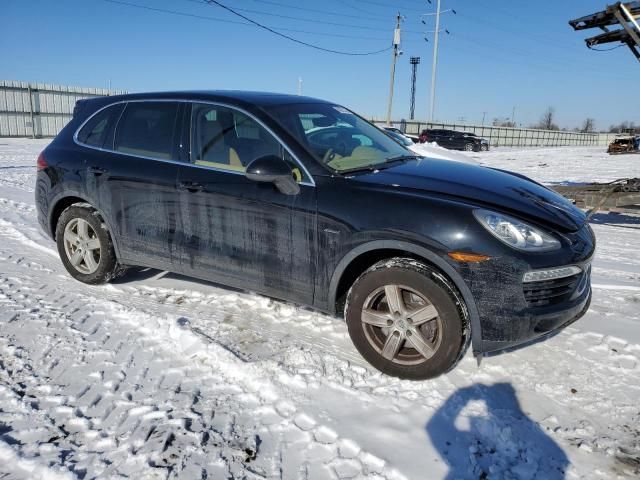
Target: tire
[
  {"x": 367, "y": 309},
  {"x": 484, "y": 147},
  {"x": 93, "y": 245},
  {"x": 469, "y": 147}
]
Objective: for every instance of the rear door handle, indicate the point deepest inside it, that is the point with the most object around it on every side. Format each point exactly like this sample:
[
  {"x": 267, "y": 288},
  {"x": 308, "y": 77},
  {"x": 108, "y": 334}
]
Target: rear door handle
[
  {"x": 192, "y": 187},
  {"x": 97, "y": 171}
]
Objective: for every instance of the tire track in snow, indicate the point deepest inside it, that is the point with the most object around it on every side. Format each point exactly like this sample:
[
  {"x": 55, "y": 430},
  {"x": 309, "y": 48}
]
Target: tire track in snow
[{"x": 297, "y": 368}]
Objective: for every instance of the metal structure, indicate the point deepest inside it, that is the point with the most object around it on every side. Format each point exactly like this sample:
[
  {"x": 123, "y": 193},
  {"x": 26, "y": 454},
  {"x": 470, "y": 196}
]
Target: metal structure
[
  {"x": 39, "y": 109},
  {"x": 621, "y": 195},
  {"x": 414, "y": 69},
  {"x": 511, "y": 137},
  {"x": 624, "y": 14}
]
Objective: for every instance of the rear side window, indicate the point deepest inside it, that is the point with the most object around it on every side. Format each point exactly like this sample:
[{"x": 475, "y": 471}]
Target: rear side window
[
  {"x": 99, "y": 127},
  {"x": 147, "y": 129}
]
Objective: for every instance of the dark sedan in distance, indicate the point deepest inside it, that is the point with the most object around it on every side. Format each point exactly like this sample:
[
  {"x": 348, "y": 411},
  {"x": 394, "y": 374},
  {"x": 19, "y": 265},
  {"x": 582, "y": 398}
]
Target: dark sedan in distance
[
  {"x": 455, "y": 140},
  {"x": 303, "y": 200}
]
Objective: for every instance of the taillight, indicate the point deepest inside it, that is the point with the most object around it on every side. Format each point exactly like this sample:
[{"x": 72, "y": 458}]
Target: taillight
[{"x": 41, "y": 164}]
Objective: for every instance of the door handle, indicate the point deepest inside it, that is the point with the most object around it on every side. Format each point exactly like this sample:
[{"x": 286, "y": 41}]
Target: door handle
[
  {"x": 97, "y": 171},
  {"x": 192, "y": 187}
]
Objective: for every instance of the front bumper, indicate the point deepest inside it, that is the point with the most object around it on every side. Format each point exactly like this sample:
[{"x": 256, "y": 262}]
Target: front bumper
[
  {"x": 543, "y": 326},
  {"x": 513, "y": 313}
]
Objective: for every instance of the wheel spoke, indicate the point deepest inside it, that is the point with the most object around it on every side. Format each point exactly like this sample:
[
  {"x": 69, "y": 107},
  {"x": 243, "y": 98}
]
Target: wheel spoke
[
  {"x": 375, "y": 318},
  {"x": 392, "y": 345},
  {"x": 423, "y": 315},
  {"x": 76, "y": 258},
  {"x": 82, "y": 229},
  {"x": 70, "y": 237},
  {"x": 89, "y": 261},
  {"x": 93, "y": 244},
  {"x": 394, "y": 298},
  {"x": 417, "y": 341}
]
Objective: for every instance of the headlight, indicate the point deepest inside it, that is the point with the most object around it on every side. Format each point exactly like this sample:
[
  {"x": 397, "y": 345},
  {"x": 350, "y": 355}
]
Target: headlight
[{"x": 515, "y": 233}]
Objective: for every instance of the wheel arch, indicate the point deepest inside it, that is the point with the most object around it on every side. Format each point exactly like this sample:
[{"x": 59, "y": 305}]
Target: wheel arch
[
  {"x": 64, "y": 201},
  {"x": 362, "y": 257}
]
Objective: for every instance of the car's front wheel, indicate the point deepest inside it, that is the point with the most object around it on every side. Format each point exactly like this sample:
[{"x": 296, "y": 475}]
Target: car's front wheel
[
  {"x": 85, "y": 246},
  {"x": 404, "y": 321},
  {"x": 469, "y": 147}
]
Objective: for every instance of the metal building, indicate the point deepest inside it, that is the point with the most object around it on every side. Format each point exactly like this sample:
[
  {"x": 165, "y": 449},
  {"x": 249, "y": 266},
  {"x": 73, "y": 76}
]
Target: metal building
[{"x": 39, "y": 109}]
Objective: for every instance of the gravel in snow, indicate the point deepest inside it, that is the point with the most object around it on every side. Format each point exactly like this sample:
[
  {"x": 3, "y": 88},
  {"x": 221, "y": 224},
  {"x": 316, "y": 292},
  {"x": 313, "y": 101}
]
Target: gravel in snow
[{"x": 160, "y": 376}]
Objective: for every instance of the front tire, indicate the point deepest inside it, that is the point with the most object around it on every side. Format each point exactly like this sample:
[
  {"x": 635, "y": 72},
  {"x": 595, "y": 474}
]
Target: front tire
[
  {"x": 404, "y": 321},
  {"x": 85, "y": 246},
  {"x": 469, "y": 147}
]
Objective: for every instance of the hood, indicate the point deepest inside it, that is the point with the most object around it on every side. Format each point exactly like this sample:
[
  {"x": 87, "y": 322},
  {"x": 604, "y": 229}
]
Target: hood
[{"x": 504, "y": 191}]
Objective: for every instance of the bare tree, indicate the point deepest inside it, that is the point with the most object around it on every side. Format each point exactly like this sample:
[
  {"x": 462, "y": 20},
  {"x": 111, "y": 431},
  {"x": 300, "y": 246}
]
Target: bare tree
[
  {"x": 588, "y": 125},
  {"x": 503, "y": 122},
  {"x": 546, "y": 121}
]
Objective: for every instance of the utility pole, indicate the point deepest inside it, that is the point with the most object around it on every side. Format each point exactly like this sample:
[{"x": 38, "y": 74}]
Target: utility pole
[
  {"x": 434, "y": 65},
  {"x": 299, "y": 85},
  {"x": 395, "y": 53},
  {"x": 483, "y": 115},
  {"x": 513, "y": 116},
  {"x": 414, "y": 67}
]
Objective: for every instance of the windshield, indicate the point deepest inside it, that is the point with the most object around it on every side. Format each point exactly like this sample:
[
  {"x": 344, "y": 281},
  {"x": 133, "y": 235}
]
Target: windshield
[{"x": 337, "y": 137}]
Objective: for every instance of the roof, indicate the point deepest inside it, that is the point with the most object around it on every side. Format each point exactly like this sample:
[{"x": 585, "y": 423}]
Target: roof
[{"x": 234, "y": 96}]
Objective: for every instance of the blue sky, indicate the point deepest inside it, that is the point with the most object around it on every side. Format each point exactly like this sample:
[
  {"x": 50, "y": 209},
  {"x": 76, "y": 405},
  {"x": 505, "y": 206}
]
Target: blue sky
[{"x": 500, "y": 54}]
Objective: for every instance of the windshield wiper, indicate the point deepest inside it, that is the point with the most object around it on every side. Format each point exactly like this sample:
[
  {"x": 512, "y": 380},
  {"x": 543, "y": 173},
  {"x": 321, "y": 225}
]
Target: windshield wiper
[{"x": 379, "y": 166}]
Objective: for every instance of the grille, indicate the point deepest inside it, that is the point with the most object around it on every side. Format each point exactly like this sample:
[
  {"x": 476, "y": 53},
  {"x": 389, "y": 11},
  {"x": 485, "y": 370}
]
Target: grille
[{"x": 550, "y": 292}]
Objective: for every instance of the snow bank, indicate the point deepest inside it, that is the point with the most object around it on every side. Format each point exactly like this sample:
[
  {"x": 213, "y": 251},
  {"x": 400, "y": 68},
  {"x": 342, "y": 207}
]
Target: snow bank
[{"x": 433, "y": 150}]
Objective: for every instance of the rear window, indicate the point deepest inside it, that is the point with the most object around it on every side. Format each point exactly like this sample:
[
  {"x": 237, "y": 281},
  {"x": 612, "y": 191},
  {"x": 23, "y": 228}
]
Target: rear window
[
  {"x": 147, "y": 129},
  {"x": 99, "y": 127}
]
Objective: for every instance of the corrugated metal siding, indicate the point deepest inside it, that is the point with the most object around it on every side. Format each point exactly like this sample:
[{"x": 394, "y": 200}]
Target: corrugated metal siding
[{"x": 52, "y": 107}]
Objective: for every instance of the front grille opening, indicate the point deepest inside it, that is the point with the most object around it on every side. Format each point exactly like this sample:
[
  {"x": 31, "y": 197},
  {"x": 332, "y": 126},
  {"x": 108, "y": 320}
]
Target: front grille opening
[{"x": 550, "y": 292}]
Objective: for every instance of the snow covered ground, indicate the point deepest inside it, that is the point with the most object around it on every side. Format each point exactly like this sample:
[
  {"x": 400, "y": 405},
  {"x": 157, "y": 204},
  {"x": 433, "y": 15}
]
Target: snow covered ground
[{"x": 160, "y": 376}]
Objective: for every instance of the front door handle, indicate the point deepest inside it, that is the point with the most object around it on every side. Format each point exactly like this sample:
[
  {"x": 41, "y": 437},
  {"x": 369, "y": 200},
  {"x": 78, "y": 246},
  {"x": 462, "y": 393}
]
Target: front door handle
[
  {"x": 192, "y": 187},
  {"x": 97, "y": 171}
]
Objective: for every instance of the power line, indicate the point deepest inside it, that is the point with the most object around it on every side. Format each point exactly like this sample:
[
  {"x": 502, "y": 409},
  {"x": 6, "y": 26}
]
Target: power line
[
  {"x": 607, "y": 49},
  {"x": 289, "y": 17},
  {"x": 323, "y": 12},
  {"x": 221, "y": 20},
  {"x": 295, "y": 40}
]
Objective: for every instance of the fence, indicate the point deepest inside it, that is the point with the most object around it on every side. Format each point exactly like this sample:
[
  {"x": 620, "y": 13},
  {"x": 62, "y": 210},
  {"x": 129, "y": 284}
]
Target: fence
[
  {"x": 38, "y": 109},
  {"x": 511, "y": 137}
]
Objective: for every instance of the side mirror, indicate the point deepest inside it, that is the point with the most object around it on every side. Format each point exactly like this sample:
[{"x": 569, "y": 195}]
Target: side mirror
[{"x": 273, "y": 169}]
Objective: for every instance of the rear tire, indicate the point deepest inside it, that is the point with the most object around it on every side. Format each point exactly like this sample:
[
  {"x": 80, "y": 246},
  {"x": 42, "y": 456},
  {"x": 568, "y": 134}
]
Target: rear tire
[
  {"x": 85, "y": 246},
  {"x": 404, "y": 321}
]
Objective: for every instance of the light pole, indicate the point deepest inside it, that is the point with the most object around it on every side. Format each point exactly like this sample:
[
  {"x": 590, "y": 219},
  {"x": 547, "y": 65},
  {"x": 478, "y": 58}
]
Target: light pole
[{"x": 414, "y": 67}]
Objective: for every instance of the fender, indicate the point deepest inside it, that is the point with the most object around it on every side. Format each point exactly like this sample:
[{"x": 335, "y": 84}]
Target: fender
[
  {"x": 452, "y": 274},
  {"x": 57, "y": 198}
]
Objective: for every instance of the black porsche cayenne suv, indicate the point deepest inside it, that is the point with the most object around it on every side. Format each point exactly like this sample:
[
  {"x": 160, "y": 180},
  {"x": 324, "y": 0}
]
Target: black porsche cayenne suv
[{"x": 303, "y": 200}]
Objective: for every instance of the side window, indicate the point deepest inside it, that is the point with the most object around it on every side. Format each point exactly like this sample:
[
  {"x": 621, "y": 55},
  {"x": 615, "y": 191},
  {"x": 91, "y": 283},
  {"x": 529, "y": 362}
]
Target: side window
[
  {"x": 147, "y": 129},
  {"x": 98, "y": 128},
  {"x": 230, "y": 140}
]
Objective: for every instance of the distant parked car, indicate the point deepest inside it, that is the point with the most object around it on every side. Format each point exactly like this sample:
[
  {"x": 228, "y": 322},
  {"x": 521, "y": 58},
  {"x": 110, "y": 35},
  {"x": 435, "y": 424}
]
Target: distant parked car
[
  {"x": 455, "y": 140},
  {"x": 398, "y": 136},
  {"x": 303, "y": 200}
]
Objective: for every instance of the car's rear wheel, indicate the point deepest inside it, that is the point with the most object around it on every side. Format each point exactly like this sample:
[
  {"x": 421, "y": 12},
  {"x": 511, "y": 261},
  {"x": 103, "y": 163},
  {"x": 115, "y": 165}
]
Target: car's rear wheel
[
  {"x": 404, "y": 321},
  {"x": 469, "y": 147},
  {"x": 85, "y": 246}
]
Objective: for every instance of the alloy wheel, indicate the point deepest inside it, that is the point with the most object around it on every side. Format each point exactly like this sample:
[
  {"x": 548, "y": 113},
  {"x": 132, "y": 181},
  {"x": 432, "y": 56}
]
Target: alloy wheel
[
  {"x": 82, "y": 246},
  {"x": 401, "y": 324}
]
